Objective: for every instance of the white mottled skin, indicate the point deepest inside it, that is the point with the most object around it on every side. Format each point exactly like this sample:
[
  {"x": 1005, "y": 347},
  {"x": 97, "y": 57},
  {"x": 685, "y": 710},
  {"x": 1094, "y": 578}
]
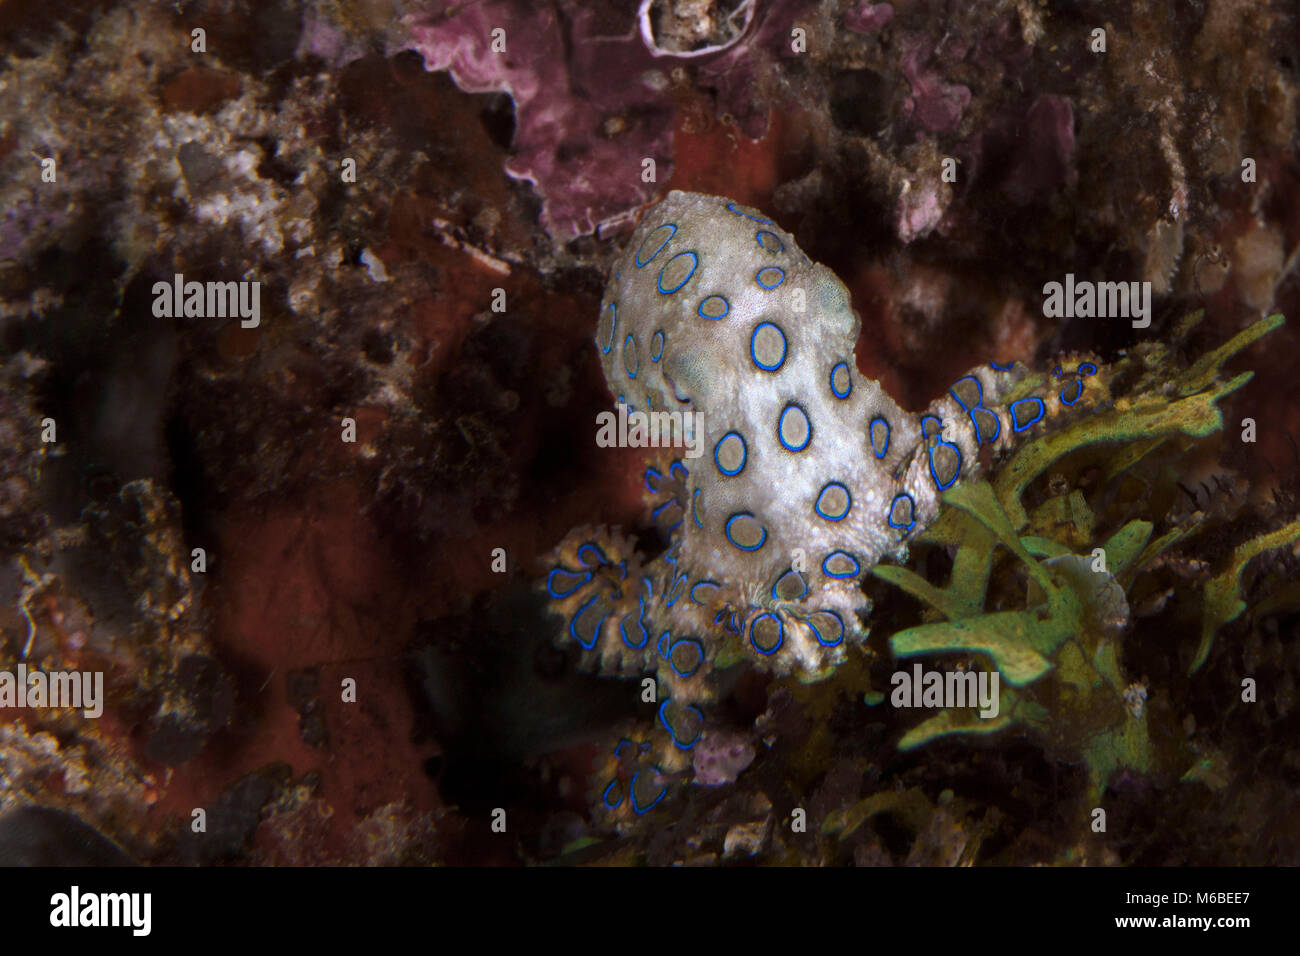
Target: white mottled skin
[{"x": 706, "y": 366}]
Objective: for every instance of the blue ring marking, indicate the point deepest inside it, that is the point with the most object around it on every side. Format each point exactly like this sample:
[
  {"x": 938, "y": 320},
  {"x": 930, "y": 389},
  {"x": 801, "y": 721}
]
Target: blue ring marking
[
  {"x": 930, "y": 453},
  {"x": 613, "y": 329},
  {"x": 911, "y": 511},
  {"x": 762, "y": 222},
  {"x": 672, "y": 470},
  {"x": 834, "y": 390},
  {"x": 1092, "y": 370},
  {"x": 727, "y": 531},
  {"x": 979, "y": 406},
  {"x": 944, "y": 486},
  {"x": 785, "y": 348},
  {"x": 636, "y": 359},
  {"x": 733, "y": 624},
  {"x": 699, "y": 649},
  {"x": 766, "y": 246},
  {"x": 848, "y": 502},
  {"x": 780, "y": 634},
  {"x": 657, "y": 346},
  {"x": 857, "y": 567},
  {"x": 780, "y": 277},
  {"x": 979, "y": 432},
  {"x": 619, "y": 746},
  {"x": 880, "y": 448},
  {"x": 649, "y": 587},
  {"x": 622, "y": 566},
  {"x": 661, "y": 645},
  {"x": 604, "y": 797},
  {"x": 695, "y": 262},
  {"x": 669, "y": 727},
  {"x": 821, "y": 640},
  {"x": 717, "y": 618},
  {"x": 1016, "y": 425},
  {"x": 1078, "y": 383},
  {"x": 640, "y": 622},
  {"x": 704, "y": 584},
  {"x": 726, "y": 308},
  {"x": 667, "y": 239},
  {"x": 550, "y": 586},
  {"x": 622, "y": 630},
  {"x": 676, "y": 591},
  {"x": 1002, "y": 368},
  {"x": 636, "y": 807},
  {"x": 595, "y": 635},
  {"x": 654, "y": 515},
  {"x": 744, "y": 453},
  {"x": 695, "y": 514},
  {"x": 803, "y": 585},
  {"x": 658, "y": 477},
  {"x": 780, "y": 427},
  {"x": 600, "y": 555},
  {"x": 1056, "y": 372}
]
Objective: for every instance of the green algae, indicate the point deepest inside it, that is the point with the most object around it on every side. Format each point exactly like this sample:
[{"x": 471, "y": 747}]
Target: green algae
[
  {"x": 1223, "y": 600},
  {"x": 1060, "y": 656},
  {"x": 910, "y": 806}
]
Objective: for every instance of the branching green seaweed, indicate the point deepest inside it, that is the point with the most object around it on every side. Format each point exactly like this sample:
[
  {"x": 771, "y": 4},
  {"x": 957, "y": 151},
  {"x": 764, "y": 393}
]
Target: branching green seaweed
[
  {"x": 1060, "y": 656},
  {"x": 1223, "y": 601}
]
